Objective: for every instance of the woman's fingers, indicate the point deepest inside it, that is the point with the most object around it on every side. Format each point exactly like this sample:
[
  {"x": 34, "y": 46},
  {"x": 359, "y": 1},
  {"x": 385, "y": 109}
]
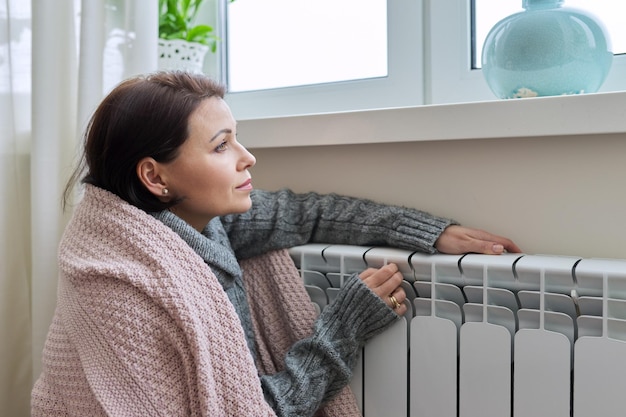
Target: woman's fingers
[
  {"x": 385, "y": 282},
  {"x": 457, "y": 239}
]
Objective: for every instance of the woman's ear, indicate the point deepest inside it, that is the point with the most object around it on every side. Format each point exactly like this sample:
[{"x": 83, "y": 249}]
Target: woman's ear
[{"x": 150, "y": 175}]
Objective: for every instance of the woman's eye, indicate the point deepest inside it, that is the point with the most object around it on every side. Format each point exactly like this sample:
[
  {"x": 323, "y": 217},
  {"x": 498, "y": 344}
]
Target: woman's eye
[{"x": 222, "y": 147}]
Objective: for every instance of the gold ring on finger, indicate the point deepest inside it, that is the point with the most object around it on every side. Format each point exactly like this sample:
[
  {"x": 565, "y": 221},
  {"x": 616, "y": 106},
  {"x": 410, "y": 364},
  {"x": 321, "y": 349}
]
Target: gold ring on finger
[{"x": 394, "y": 302}]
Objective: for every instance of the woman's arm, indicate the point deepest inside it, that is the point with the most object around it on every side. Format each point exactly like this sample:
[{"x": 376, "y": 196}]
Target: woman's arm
[
  {"x": 285, "y": 219},
  {"x": 319, "y": 366}
]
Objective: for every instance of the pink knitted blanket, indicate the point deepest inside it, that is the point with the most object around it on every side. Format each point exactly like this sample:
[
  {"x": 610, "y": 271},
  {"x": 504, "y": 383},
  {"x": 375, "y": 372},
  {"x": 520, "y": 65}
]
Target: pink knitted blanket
[{"x": 143, "y": 327}]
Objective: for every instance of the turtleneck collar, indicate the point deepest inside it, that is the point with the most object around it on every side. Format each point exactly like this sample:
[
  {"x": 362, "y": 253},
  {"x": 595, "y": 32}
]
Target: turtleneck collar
[{"x": 212, "y": 244}]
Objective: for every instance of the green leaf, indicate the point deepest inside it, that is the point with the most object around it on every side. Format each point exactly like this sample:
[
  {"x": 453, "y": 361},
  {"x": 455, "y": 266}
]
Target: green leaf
[
  {"x": 176, "y": 21},
  {"x": 213, "y": 45},
  {"x": 200, "y": 30}
]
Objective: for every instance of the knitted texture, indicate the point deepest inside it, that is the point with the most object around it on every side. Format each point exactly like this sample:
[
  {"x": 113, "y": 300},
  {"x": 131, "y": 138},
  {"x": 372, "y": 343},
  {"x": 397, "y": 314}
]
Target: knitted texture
[
  {"x": 282, "y": 314},
  {"x": 142, "y": 326},
  {"x": 314, "y": 369},
  {"x": 213, "y": 246},
  {"x": 284, "y": 219}
]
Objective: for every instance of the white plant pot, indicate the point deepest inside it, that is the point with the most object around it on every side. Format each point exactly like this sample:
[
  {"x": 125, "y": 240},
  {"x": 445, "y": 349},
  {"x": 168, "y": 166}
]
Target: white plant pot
[{"x": 177, "y": 54}]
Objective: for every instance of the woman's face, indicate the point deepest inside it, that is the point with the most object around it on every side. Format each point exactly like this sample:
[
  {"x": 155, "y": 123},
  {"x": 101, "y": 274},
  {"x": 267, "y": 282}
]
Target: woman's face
[{"x": 210, "y": 173}]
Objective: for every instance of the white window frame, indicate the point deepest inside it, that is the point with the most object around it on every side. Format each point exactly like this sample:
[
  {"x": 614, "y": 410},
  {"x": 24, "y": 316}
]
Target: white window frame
[
  {"x": 404, "y": 85},
  {"x": 449, "y": 75}
]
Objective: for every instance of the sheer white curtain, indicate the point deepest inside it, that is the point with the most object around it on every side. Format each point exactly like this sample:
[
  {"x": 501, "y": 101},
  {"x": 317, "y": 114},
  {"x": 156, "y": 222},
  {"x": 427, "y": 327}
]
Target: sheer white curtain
[
  {"x": 57, "y": 59},
  {"x": 15, "y": 368}
]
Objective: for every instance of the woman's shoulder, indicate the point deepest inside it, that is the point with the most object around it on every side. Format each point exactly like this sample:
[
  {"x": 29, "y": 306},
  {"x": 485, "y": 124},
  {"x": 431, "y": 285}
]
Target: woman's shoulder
[{"x": 107, "y": 235}]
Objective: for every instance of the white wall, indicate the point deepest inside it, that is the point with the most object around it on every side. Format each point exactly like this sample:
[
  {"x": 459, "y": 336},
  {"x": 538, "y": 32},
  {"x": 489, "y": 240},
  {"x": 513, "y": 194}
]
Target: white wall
[{"x": 561, "y": 195}]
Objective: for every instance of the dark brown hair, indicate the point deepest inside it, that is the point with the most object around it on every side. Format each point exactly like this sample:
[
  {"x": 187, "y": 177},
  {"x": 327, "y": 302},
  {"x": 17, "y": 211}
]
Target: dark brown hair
[{"x": 145, "y": 116}]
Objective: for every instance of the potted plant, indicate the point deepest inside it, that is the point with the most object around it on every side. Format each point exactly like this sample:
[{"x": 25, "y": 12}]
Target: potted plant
[{"x": 183, "y": 43}]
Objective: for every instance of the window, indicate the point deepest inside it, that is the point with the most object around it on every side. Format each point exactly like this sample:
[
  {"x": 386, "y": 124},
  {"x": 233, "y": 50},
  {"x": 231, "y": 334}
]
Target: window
[
  {"x": 353, "y": 56},
  {"x": 306, "y": 42},
  {"x": 430, "y": 55}
]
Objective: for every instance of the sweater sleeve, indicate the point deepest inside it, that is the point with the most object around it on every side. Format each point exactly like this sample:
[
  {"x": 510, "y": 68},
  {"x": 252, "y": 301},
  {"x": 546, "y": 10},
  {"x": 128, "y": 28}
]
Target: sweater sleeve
[
  {"x": 283, "y": 219},
  {"x": 318, "y": 367}
]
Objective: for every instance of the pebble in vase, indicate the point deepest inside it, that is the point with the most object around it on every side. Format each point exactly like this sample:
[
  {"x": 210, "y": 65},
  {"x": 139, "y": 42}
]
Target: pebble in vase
[{"x": 546, "y": 50}]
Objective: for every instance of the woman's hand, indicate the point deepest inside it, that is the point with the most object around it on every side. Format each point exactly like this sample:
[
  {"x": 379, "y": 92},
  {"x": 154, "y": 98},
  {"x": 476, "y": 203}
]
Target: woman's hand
[
  {"x": 457, "y": 240},
  {"x": 385, "y": 282}
]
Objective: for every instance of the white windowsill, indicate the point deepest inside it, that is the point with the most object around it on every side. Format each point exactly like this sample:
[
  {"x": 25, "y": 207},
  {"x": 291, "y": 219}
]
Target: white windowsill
[{"x": 588, "y": 114}]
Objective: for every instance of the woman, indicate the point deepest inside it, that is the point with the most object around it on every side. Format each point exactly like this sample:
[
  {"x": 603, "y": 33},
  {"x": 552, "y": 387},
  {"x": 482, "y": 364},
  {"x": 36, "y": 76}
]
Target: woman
[{"x": 152, "y": 315}]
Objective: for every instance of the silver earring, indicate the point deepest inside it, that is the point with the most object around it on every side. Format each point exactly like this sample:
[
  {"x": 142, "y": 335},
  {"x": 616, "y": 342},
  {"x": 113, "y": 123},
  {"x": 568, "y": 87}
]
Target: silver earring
[{"x": 165, "y": 191}]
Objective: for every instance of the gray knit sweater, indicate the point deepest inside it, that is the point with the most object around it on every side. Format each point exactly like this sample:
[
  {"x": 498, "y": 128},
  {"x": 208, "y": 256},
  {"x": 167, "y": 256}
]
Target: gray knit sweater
[{"x": 318, "y": 367}]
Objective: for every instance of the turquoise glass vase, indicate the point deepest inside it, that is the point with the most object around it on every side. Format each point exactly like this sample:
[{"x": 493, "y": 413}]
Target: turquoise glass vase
[{"x": 546, "y": 50}]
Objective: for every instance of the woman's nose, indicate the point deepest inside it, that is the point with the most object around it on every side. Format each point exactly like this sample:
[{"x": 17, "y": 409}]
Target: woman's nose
[{"x": 247, "y": 158}]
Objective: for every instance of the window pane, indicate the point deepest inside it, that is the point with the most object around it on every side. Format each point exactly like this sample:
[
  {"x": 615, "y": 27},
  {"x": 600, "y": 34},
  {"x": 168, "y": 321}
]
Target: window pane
[
  {"x": 284, "y": 43},
  {"x": 488, "y": 12}
]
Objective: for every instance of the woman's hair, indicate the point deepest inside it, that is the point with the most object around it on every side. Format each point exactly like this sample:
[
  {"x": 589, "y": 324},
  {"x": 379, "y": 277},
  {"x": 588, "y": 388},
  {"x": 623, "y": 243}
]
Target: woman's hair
[{"x": 145, "y": 116}]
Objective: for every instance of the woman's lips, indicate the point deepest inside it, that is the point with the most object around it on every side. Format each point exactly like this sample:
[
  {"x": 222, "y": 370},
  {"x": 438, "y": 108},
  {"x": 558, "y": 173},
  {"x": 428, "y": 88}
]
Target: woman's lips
[{"x": 247, "y": 185}]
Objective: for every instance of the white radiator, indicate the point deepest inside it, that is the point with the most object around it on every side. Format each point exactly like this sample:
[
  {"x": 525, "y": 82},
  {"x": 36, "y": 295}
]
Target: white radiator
[{"x": 488, "y": 336}]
